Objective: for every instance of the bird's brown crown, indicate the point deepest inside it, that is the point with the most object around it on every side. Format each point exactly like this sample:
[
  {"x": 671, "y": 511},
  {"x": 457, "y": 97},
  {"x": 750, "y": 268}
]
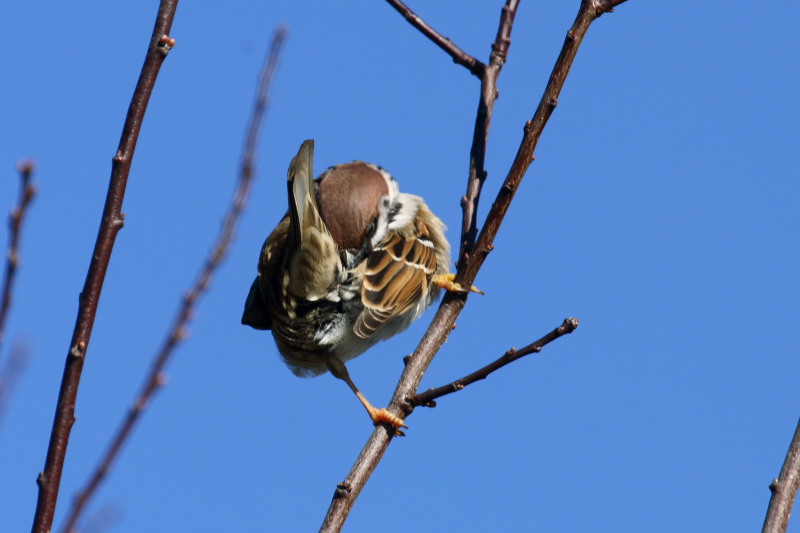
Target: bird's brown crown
[{"x": 349, "y": 199}]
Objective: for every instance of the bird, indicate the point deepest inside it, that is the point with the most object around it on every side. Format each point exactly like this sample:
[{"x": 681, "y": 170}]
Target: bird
[{"x": 354, "y": 261}]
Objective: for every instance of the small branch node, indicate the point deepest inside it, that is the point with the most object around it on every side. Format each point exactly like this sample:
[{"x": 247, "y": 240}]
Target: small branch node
[
  {"x": 13, "y": 259},
  {"x": 79, "y": 350},
  {"x": 165, "y": 44},
  {"x": 180, "y": 333},
  {"x": 139, "y": 405},
  {"x": 342, "y": 490}
]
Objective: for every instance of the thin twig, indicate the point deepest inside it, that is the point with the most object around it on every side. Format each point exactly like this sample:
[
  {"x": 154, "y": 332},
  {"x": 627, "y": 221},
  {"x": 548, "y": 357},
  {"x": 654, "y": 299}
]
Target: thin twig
[
  {"x": 480, "y": 136},
  {"x": 427, "y": 398},
  {"x": 155, "y": 379},
  {"x": 50, "y": 479},
  {"x": 459, "y": 56},
  {"x": 488, "y": 75},
  {"x": 26, "y": 193},
  {"x": 784, "y": 489},
  {"x": 452, "y": 304}
]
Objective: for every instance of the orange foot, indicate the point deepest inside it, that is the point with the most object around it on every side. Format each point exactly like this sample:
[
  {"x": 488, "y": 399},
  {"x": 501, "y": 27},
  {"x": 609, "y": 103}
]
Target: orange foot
[
  {"x": 383, "y": 416},
  {"x": 447, "y": 282}
]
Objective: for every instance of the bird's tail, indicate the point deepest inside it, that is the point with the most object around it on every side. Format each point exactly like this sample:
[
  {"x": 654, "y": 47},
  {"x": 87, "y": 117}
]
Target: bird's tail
[{"x": 313, "y": 254}]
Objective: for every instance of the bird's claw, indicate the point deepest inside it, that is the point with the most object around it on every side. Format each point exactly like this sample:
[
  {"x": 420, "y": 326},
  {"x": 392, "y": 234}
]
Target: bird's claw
[
  {"x": 383, "y": 416},
  {"x": 448, "y": 282}
]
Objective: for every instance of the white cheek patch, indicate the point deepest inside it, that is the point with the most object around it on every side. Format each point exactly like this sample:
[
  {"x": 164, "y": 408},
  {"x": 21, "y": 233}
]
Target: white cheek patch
[
  {"x": 382, "y": 223},
  {"x": 408, "y": 206}
]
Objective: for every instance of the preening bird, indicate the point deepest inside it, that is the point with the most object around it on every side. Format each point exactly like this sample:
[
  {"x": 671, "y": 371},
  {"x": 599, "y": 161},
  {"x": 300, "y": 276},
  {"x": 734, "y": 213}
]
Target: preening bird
[{"x": 353, "y": 262}]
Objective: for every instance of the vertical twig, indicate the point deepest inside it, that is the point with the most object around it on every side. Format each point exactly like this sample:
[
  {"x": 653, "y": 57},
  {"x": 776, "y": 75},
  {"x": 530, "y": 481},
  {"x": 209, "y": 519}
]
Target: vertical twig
[
  {"x": 49, "y": 480},
  {"x": 187, "y": 310},
  {"x": 784, "y": 489},
  {"x": 452, "y": 304},
  {"x": 589, "y": 11},
  {"x": 26, "y": 193},
  {"x": 483, "y": 119}
]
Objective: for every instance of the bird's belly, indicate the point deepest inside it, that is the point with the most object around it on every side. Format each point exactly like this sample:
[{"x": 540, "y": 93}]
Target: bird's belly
[{"x": 306, "y": 341}]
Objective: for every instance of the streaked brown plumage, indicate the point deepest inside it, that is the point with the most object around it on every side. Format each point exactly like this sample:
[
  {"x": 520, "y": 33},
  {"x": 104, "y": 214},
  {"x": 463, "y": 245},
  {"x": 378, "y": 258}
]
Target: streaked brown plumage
[{"x": 354, "y": 261}]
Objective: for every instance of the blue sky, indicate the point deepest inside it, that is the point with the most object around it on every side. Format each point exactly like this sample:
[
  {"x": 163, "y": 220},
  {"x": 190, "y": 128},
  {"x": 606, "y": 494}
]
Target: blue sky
[{"x": 662, "y": 210}]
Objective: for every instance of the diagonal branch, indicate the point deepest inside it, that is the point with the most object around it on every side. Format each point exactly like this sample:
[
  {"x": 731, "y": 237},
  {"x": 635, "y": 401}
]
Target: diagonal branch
[
  {"x": 187, "y": 310},
  {"x": 427, "y": 398},
  {"x": 26, "y": 193},
  {"x": 459, "y": 56},
  {"x": 452, "y": 304},
  {"x": 784, "y": 489},
  {"x": 50, "y": 479}
]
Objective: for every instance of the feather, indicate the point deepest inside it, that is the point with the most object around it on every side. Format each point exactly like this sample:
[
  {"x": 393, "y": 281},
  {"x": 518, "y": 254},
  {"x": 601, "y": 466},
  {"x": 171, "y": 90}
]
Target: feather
[
  {"x": 313, "y": 256},
  {"x": 397, "y": 277}
]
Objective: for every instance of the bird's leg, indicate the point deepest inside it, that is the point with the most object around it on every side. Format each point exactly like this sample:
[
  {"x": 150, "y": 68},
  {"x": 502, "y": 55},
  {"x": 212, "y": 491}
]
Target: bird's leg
[
  {"x": 378, "y": 416},
  {"x": 448, "y": 282}
]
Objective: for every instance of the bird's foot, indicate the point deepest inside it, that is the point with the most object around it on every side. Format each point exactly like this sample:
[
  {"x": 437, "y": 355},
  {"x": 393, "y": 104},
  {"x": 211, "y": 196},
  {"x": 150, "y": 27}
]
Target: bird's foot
[
  {"x": 448, "y": 282},
  {"x": 383, "y": 416}
]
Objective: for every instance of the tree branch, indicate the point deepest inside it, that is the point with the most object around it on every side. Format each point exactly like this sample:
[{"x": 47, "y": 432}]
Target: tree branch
[
  {"x": 452, "y": 304},
  {"x": 427, "y": 398},
  {"x": 26, "y": 193},
  {"x": 784, "y": 489},
  {"x": 155, "y": 378},
  {"x": 459, "y": 56},
  {"x": 483, "y": 118},
  {"x": 50, "y": 479}
]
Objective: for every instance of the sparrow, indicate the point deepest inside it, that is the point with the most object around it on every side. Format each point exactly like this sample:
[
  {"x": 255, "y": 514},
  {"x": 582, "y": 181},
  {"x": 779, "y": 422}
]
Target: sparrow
[{"x": 354, "y": 261}]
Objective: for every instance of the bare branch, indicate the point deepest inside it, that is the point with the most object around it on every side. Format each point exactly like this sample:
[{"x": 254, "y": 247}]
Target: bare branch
[
  {"x": 459, "y": 56},
  {"x": 480, "y": 136},
  {"x": 155, "y": 378},
  {"x": 452, "y": 304},
  {"x": 784, "y": 489},
  {"x": 427, "y": 398},
  {"x": 26, "y": 193},
  {"x": 50, "y": 479}
]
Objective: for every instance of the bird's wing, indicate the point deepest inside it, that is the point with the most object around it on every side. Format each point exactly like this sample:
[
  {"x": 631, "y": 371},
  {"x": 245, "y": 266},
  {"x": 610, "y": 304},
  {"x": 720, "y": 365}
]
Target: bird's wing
[{"x": 397, "y": 276}]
